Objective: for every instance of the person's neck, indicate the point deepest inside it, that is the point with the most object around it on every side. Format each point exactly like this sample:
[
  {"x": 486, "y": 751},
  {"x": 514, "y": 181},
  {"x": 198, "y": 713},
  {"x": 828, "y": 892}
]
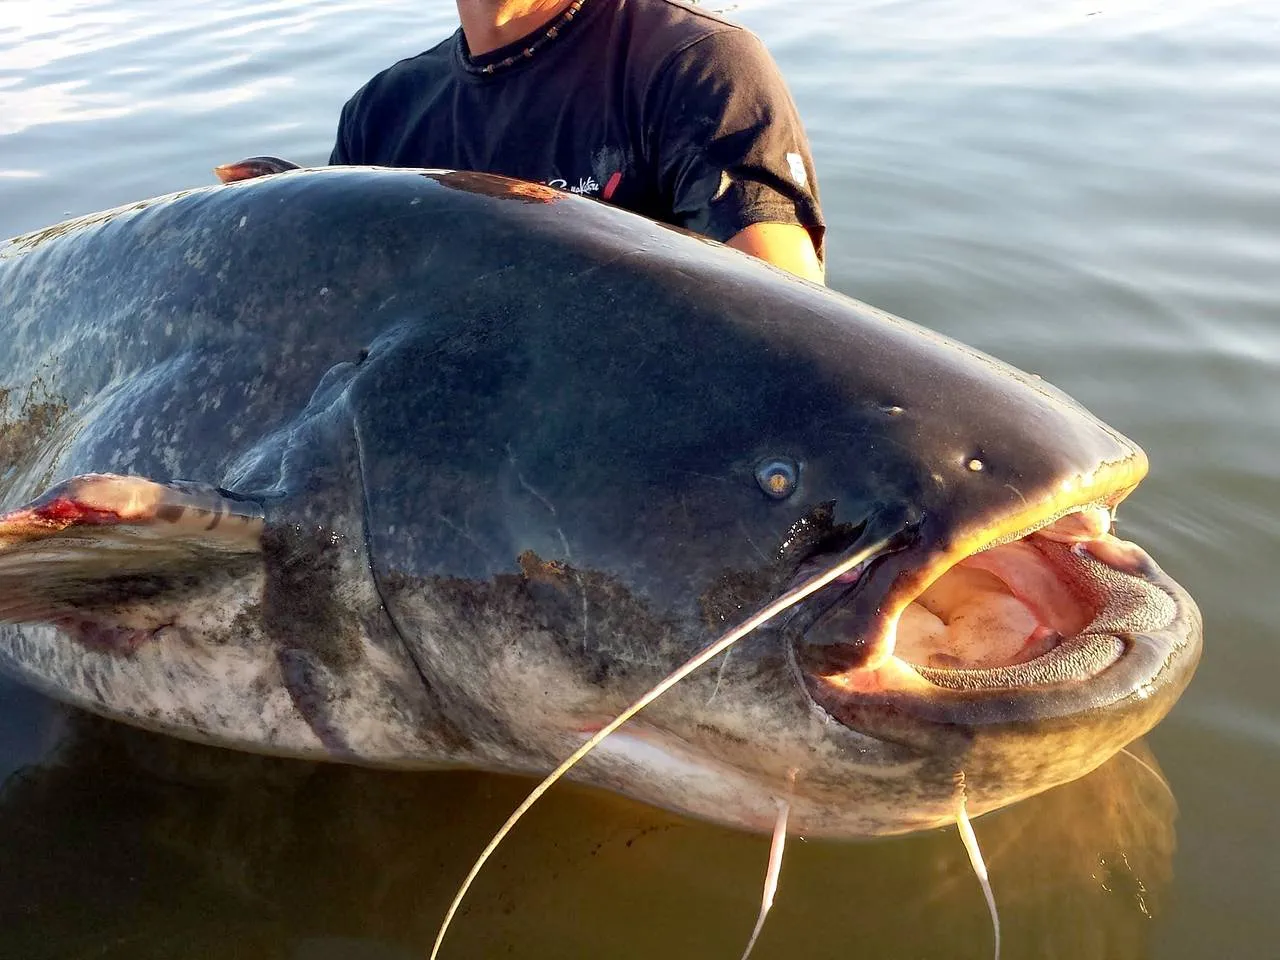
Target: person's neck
[{"x": 490, "y": 24}]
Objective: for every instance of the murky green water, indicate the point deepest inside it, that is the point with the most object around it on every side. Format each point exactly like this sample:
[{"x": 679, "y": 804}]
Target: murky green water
[{"x": 1090, "y": 190}]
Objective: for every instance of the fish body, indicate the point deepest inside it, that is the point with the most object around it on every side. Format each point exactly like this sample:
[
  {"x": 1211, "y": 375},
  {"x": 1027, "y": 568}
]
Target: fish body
[{"x": 428, "y": 469}]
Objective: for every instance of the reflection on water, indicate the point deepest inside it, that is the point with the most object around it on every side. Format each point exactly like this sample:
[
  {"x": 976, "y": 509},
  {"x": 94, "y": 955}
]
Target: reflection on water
[{"x": 131, "y": 845}]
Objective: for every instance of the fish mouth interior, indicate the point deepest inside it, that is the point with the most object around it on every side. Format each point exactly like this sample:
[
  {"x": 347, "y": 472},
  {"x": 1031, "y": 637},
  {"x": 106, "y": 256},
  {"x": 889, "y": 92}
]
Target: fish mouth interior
[
  {"x": 1052, "y": 606},
  {"x": 1008, "y": 604}
]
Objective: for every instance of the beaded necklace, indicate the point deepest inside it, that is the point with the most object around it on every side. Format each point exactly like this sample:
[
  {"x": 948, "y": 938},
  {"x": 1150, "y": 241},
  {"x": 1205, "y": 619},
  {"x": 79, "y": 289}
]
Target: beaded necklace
[{"x": 551, "y": 33}]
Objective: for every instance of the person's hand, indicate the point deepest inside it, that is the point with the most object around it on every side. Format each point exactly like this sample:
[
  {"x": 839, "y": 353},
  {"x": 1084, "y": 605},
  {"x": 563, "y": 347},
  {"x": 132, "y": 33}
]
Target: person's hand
[{"x": 252, "y": 167}]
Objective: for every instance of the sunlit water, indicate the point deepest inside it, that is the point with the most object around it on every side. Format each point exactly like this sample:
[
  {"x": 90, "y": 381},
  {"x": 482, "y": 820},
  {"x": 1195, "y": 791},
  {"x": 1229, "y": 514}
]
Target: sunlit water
[{"x": 1088, "y": 189}]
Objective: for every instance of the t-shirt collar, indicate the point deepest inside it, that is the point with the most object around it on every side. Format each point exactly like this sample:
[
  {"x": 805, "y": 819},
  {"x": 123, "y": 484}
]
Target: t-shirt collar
[{"x": 473, "y": 68}]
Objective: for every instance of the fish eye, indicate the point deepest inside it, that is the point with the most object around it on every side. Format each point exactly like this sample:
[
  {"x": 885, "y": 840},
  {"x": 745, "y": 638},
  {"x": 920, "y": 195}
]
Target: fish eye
[{"x": 778, "y": 477}]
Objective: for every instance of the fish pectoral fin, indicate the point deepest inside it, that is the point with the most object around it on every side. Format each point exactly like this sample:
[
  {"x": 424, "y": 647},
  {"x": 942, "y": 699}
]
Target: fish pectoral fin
[{"x": 101, "y": 542}]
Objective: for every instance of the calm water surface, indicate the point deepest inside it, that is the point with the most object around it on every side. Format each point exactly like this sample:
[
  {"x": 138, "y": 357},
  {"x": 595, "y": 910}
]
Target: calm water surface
[{"x": 1090, "y": 190}]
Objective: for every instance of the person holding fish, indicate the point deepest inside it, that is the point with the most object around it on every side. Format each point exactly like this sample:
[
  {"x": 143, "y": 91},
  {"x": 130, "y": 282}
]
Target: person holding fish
[{"x": 652, "y": 105}]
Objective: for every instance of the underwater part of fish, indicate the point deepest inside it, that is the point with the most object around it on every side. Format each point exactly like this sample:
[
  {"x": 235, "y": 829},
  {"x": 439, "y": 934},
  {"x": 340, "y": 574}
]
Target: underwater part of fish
[{"x": 429, "y": 469}]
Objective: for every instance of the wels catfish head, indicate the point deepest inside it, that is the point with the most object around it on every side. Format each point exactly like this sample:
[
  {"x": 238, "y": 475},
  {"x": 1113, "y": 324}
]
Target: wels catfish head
[{"x": 549, "y": 451}]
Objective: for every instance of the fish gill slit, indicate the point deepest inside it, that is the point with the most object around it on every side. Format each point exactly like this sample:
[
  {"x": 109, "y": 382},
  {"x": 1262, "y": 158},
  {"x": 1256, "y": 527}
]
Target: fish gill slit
[{"x": 366, "y": 518}]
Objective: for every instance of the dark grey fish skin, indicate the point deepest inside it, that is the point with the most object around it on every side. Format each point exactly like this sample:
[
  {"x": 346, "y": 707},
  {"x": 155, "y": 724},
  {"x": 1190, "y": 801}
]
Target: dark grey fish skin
[{"x": 497, "y": 450}]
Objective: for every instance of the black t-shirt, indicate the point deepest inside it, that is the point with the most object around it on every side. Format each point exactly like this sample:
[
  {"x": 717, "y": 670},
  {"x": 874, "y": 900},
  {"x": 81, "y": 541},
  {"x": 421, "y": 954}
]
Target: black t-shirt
[{"x": 649, "y": 104}]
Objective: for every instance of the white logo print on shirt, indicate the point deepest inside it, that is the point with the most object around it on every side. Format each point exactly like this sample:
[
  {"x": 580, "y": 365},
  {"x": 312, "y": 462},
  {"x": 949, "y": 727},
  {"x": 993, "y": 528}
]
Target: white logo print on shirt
[
  {"x": 586, "y": 185},
  {"x": 589, "y": 186},
  {"x": 798, "y": 174}
]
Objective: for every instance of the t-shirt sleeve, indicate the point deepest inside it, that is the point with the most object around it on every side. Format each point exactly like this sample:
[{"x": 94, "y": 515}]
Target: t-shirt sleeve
[
  {"x": 361, "y": 122},
  {"x": 730, "y": 148},
  {"x": 342, "y": 147}
]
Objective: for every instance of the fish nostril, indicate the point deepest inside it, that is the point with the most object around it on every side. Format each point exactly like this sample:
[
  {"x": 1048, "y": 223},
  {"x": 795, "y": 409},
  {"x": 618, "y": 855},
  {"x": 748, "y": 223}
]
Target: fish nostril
[{"x": 815, "y": 534}]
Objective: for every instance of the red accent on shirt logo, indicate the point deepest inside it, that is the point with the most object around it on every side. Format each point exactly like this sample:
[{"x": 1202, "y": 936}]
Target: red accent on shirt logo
[{"x": 611, "y": 185}]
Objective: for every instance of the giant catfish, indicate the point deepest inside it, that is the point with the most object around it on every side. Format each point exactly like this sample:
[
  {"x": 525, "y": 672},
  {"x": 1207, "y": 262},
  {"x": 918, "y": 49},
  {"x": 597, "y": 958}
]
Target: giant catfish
[{"x": 425, "y": 469}]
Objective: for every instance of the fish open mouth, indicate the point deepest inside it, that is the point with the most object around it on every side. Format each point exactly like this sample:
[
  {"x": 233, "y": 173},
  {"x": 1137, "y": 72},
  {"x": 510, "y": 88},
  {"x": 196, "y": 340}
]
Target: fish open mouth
[
  {"x": 1061, "y": 618},
  {"x": 1045, "y": 608}
]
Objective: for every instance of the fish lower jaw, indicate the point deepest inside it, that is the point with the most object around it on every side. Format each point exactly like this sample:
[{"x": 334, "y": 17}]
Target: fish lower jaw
[{"x": 893, "y": 674}]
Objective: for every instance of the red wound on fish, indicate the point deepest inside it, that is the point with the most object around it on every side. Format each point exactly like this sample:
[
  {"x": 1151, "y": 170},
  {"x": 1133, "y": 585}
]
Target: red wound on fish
[
  {"x": 190, "y": 512},
  {"x": 89, "y": 500},
  {"x": 108, "y": 560},
  {"x": 64, "y": 511}
]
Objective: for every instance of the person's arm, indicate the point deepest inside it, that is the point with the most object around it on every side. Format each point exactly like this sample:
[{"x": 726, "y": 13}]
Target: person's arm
[
  {"x": 785, "y": 245},
  {"x": 732, "y": 155}
]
